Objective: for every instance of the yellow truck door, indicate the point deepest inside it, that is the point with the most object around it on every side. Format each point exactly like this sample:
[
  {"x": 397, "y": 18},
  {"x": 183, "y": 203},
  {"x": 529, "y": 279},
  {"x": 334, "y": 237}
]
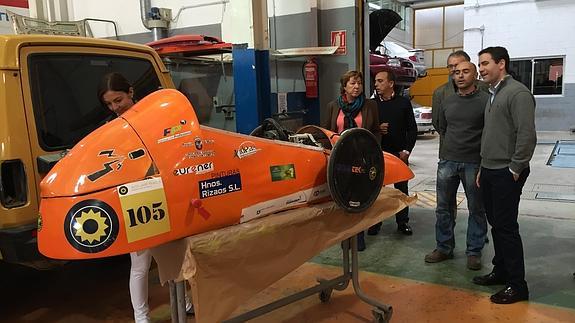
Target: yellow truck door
[{"x": 56, "y": 80}]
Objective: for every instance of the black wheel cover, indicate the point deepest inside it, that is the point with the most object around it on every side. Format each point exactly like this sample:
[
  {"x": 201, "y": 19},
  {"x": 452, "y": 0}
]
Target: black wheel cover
[{"x": 355, "y": 170}]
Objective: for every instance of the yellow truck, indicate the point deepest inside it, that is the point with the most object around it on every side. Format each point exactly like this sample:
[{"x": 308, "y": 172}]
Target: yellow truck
[{"x": 48, "y": 102}]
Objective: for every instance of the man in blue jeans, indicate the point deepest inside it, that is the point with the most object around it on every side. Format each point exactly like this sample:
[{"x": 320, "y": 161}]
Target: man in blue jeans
[{"x": 461, "y": 126}]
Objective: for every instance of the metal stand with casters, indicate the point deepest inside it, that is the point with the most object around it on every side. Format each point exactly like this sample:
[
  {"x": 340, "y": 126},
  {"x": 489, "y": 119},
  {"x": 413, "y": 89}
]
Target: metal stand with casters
[
  {"x": 324, "y": 288},
  {"x": 178, "y": 301}
]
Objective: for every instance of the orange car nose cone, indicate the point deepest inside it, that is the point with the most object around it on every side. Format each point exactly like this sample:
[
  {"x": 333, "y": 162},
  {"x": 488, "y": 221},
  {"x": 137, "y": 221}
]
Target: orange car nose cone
[{"x": 112, "y": 155}]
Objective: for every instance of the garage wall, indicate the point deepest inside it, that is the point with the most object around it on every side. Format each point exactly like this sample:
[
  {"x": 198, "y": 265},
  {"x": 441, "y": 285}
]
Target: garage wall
[
  {"x": 333, "y": 67},
  {"x": 404, "y": 37},
  {"x": 297, "y": 23},
  {"x": 313, "y": 28},
  {"x": 530, "y": 29},
  {"x": 202, "y": 20}
]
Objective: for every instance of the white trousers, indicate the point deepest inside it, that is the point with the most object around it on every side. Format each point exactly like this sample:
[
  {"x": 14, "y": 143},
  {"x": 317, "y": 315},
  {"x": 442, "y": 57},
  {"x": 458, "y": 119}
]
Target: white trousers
[{"x": 141, "y": 262}]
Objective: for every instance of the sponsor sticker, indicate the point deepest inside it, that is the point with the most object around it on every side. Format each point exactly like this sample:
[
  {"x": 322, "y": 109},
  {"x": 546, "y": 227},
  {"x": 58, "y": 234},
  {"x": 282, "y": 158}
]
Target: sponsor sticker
[
  {"x": 225, "y": 173},
  {"x": 246, "y": 148},
  {"x": 372, "y": 173},
  {"x": 319, "y": 192},
  {"x": 195, "y": 144},
  {"x": 39, "y": 222},
  {"x": 174, "y": 132},
  {"x": 346, "y": 168},
  {"x": 144, "y": 208},
  {"x": 195, "y": 169},
  {"x": 200, "y": 153},
  {"x": 282, "y": 172},
  {"x": 357, "y": 170},
  {"x": 91, "y": 226},
  {"x": 198, "y": 143},
  {"x": 281, "y": 203},
  {"x": 296, "y": 200},
  {"x": 265, "y": 208},
  {"x": 220, "y": 185}
]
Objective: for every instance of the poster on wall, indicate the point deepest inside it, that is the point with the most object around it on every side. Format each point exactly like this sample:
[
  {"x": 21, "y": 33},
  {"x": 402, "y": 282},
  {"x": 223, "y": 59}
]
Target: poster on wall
[
  {"x": 16, "y": 6},
  {"x": 338, "y": 39}
]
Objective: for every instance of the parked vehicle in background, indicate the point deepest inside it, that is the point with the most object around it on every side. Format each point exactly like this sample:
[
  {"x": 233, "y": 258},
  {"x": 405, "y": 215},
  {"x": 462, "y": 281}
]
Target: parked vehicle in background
[
  {"x": 403, "y": 69},
  {"x": 381, "y": 22},
  {"x": 416, "y": 56},
  {"x": 422, "y": 118}
]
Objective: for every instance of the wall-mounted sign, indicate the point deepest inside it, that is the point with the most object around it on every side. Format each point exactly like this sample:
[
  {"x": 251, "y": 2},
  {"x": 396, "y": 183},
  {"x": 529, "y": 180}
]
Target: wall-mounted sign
[{"x": 339, "y": 39}]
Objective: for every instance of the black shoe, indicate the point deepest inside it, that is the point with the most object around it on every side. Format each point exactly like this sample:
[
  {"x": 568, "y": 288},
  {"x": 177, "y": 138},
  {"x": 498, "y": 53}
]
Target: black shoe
[
  {"x": 191, "y": 311},
  {"x": 509, "y": 295},
  {"x": 488, "y": 280},
  {"x": 404, "y": 228},
  {"x": 360, "y": 242},
  {"x": 374, "y": 229}
]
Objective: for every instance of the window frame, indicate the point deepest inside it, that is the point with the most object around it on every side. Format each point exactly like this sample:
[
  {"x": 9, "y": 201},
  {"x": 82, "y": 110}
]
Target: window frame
[
  {"x": 33, "y": 91},
  {"x": 533, "y": 59}
]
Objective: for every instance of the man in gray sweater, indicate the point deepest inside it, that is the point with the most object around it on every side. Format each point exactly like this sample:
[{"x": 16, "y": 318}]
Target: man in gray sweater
[
  {"x": 507, "y": 145},
  {"x": 448, "y": 88},
  {"x": 460, "y": 123},
  {"x": 438, "y": 100}
]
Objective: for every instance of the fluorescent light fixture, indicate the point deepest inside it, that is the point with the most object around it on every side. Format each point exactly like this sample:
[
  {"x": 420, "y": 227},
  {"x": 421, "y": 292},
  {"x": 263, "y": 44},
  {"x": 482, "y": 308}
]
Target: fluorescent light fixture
[{"x": 373, "y": 6}]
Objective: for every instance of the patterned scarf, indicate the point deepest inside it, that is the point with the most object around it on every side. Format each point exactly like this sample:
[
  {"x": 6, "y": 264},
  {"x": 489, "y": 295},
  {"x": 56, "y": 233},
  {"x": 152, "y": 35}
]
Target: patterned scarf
[{"x": 350, "y": 110}]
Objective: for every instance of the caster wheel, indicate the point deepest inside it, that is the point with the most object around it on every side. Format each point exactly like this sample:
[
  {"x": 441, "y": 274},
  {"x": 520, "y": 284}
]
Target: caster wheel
[
  {"x": 325, "y": 295},
  {"x": 379, "y": 316}
]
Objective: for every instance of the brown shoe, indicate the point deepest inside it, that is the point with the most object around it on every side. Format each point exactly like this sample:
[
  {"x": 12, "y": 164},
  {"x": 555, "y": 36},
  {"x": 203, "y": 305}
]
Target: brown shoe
[
  {"x": 437, "y": 256},
  {"x": 473, "y": 262}
]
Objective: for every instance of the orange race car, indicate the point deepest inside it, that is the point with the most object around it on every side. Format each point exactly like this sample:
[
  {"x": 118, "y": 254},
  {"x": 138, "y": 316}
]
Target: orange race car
[{"x": 155, "y": 175}]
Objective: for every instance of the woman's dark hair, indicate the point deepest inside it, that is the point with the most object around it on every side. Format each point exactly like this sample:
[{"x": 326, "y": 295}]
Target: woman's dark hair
[
  {"x": 113, "y": 82},
  {"x": 346, "y": 77}
]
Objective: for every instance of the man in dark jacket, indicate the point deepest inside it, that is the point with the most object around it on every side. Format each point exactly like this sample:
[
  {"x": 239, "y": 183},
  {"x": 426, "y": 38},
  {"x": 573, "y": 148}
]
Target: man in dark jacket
[
  {"x": 398, "y": 133},
  {"x": 507, "y": 146}
]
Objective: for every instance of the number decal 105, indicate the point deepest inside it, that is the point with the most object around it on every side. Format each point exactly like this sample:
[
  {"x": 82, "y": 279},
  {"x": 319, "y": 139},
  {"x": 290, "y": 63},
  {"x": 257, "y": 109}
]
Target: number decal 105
[{"x": 144, "y": 214}]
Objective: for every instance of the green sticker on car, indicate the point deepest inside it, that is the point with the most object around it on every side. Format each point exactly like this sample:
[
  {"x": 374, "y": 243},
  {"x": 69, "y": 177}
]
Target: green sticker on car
[{"x": 282, "y": 172}]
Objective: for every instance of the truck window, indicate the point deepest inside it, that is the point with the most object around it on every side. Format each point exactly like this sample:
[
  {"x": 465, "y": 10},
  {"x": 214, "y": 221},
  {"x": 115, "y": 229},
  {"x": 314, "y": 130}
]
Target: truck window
[{"x": 64, "y": 98}]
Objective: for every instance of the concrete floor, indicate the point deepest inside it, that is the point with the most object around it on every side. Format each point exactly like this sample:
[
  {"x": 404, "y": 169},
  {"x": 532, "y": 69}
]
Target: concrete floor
[{"x": 393, "y": 270}]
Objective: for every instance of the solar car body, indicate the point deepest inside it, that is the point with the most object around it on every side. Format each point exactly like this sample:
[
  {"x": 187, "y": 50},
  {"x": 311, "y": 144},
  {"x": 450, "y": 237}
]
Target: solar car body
[{"x": 154, "y": 175}]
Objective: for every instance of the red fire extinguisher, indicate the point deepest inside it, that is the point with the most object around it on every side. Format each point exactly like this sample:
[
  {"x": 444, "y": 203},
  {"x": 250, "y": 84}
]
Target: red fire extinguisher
[{"x": 310, "y": 76}]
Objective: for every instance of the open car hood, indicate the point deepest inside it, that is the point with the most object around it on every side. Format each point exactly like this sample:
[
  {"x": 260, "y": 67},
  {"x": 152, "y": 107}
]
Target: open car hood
[{"x": 381, "y": 22}]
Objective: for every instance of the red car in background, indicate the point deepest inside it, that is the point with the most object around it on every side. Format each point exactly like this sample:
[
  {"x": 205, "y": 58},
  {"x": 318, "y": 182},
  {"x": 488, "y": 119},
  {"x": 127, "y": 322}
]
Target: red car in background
[
  {"x": 403, "y": 69},
  {"x": 381, "y": 22}
]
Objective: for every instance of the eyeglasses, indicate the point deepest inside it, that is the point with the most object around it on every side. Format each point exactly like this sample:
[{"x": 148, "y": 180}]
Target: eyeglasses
[{"x": 451, "y": 66}]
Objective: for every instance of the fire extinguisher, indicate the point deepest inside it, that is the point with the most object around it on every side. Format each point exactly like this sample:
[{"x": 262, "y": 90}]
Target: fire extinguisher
[{"x": 310, "y": 76}]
